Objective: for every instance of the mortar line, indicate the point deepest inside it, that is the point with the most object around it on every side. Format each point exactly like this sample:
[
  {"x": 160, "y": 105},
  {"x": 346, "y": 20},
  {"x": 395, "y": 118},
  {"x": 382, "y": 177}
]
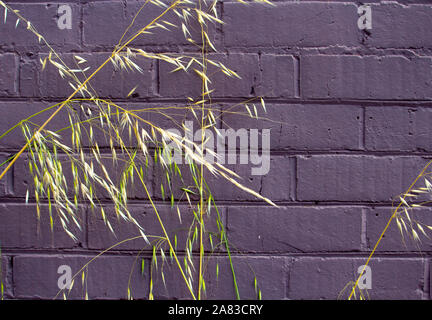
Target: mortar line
[
  {"x": 293, "y": 178},
  {"x": 362, "y": 138},
  {"x": 363, "y": 237},
  {"x": 224, "y": 100},
  {"x": 14, "y": 252},
  {"x": 297, "y": 77},
  {"x": 426, "y": 280}
]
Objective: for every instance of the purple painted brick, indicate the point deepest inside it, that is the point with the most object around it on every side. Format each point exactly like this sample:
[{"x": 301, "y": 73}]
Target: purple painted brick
[
  {"x": 116, "y": 173},
  {"x": 8, "y": 74},
  {"x": 411, "y": 24},
  {"x": 172, "y": 285},
  {"x": 303, "y": 127},
  {"x": 177, "y": 183},
  {"x": 100, "y": 238},
  {"x": 376, "y": 220},
  {"x": 6, "y": 272},
  {"x": 325, "y": 278},
  {"x": 271, "y": 273},
  {"x": 43, "y": 18},
  {"x": 117, "y": 84},
  {"x": 18, "y": 111},
  {"x": 275, "y": 184},
  {"x": 166, "y": 116},
  {"x": 108, "y": 82},
  {"x": 182, "y": 84},
  {"x": 20, "y": 228},
  {"x": 29, "y": 77},
  {"x": 49, "y": 82},
  {"x": 278, "y": 76},
  {"x": 36, "y": 276},
  {"x": 355, "y": 178},
  {"x": 365, "y": 77},
  {"x": 398, "y": 129},
  {"x": 19, "y": 179},
  {"x": 295, "y": 229},
  {"x": 6, "y": 184},
  {"x": 23, "y": 180},
  {"x": 290, "y": 24},
  {"x": 430, "y": 282},
  {"x": 98, "y": 16}
]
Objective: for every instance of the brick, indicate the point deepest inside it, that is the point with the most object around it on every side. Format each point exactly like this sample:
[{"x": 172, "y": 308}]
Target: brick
[
  {"x": 101, "y": 238},
  {"x": 20, "y": 228},
  {"x": 410, "y": 22},
  {"x": 107, "y": 83},
  {"x": 172, "y": 285},
  {"x": 274, "y": 184},
  {"x": 376, "y": 220},
  {"x": 175, "y": 119},
  {"x": 166, "y": 116},
  {"x": 430, "y": 282},
  {"x": 295, "y": 229},
  {"x": 36, "y": 276},
  {"x": 47, "y": 83},
  {"x": 189, "y": 84},
  {"x": 98, "y": 16},
  {"x": 29, "y": 82},
  {"x": 23, "y": 180},
  {"x": 176, "y": 183},
  {"x": 303, "y": 127},
  {"x": 398, "y": 129},
  {"x": 18, "y": 111},
  {"x": 278, "y": 76},
  {"x": 44, "y": 19},
  {"x": 367, "y": 77},
  {"x": 325, "y": 278},
  {"x": 5, "y": 277},
  {"x": 271, "y": 274},
  {"x": 116, "y": 171},
  {"x": 290, "y": 24},
  {"x": 8, "y": 74},
  {"x": 118, "y": 84},
  {"x": 355, "y": 178},
  {"x": 178, "y": 84},
  {"x": 6, "y": 183}
]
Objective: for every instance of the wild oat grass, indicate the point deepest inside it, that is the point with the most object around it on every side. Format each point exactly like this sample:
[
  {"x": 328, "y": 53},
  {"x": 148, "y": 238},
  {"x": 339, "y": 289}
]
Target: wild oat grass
[
  {"x": 409, "y": 226},
  {"x": 87, "y": 114}
]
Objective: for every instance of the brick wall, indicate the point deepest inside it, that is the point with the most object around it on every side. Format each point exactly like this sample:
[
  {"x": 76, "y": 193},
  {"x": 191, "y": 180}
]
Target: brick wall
[{"x": 355, "y": 107}]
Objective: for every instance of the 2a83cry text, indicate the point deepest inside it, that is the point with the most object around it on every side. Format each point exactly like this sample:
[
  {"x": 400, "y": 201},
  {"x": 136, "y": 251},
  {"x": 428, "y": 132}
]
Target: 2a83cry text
[{"x": 222, "y": 309}]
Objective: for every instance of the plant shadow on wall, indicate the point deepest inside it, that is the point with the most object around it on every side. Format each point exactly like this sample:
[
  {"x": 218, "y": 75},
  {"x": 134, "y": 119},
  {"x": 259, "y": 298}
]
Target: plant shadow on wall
[{"x": 70, "y": 170}]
